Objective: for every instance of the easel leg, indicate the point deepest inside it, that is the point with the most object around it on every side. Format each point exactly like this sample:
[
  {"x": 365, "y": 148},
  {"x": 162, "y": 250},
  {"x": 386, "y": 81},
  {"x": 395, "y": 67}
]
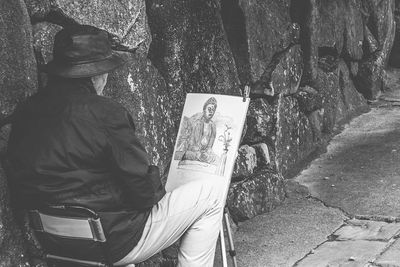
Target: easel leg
[
  {"x": 223, "y": 248},
  {"x": 232, "y": 250}
]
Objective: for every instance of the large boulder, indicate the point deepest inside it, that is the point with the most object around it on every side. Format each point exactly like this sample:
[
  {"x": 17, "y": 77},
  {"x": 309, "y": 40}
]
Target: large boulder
[
  {"x": 260, "y": 120},
  {"x": 38, "y": 9},
  {"x": 235, "y": 28},
  {"x": 284, "y": 127},
  {"x": 331, "y": 26},
  {"x": 18, "y": 74},
  {"x": 307, "y": 14},
  {"x": 395, "y": 53},
  {"x": 245, "y": 163},
  {"x": 303, "y": 119},
  {"x": 349, "y": 102},
  {"x": 353, "y": 66},
  {"x": 354, "y": 29},
  {"x": 125, "y": 19},
  {"x": 285, "y": 78},
  {"x": 264, "y": 156},
  {"x": 12, "y": 252},
  {"x": 268, "y": 26},
  {"x": 17, "y": 81},
  {"x": 381, "y": 23},
  {"x": 283, "y": 74},
  {"x": 43, "y": 40},
  {"x": 371, "y": 44},
  {"x": 316, "y": 122},
  {"x": 256, "y": 195},
  {"x": 141, "y": 89},
  {"x": 369, "y": 77},
  {"x": 379, "y": 16},
  {"x": 328, "y": 28},
  {"x": 260, "y": 131},
  {"x": 328, "y": 86},
  {"x": 309, "y": 99},
  {"x": 294, "y": 136},
  {"x": 190, "y": 49}
]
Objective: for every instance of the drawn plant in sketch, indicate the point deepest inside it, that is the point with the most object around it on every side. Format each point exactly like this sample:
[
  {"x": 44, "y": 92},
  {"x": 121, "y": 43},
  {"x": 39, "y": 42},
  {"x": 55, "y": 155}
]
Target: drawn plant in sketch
[{"x": 226, "y": 139}]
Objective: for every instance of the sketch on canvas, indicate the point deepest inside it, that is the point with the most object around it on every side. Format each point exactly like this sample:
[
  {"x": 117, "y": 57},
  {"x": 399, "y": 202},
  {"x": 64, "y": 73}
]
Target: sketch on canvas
[
  {"x": 195, "y": 150},
  {"x": 208, "y": 136}
]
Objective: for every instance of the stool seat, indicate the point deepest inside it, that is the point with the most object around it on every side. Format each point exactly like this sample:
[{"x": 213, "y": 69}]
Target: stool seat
[{"x": 70, "y": 236}]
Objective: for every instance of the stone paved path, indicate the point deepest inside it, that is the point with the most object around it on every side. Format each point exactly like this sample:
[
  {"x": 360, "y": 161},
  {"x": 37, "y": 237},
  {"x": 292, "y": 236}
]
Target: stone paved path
[
  {"x": 360, "y": 175},
  {"x": 344, "y": 209},
  {"x": 358, "y": 243}
]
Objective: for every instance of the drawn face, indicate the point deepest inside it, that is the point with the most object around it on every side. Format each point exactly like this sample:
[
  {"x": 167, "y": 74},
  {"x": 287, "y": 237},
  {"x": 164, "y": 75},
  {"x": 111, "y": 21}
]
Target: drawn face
[{"x": 209, "y": 111}]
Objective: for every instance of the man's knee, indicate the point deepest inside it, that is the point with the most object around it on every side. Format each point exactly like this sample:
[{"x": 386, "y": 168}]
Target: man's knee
[
  {"x": 214, "y": 188},
  {"x": 207, "y": 190}
]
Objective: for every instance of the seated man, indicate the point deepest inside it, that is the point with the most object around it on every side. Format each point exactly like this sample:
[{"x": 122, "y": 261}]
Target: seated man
[{"x": 71, "y": 145}]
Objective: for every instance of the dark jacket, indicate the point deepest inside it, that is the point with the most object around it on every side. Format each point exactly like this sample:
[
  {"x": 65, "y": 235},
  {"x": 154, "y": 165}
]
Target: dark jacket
[{"x": 71, "y": 146}]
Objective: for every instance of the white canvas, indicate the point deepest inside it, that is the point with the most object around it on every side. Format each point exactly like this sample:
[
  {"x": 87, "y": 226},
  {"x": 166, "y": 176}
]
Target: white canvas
[{"x": 208, "y": 138}]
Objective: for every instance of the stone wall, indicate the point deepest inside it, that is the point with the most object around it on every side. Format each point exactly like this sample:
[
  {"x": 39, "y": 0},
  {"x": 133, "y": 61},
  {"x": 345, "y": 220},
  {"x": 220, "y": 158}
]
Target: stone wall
[
  {"x": 311, "y": 65},
  {"x": 18, "y": 79},
  {"x": 394, "y": 60}
]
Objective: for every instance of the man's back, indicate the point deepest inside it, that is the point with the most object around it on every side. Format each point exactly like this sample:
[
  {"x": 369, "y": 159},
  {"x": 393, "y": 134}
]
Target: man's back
[
  {"x": 58, "y": 146},
  {"x": 62, "y": 150}
]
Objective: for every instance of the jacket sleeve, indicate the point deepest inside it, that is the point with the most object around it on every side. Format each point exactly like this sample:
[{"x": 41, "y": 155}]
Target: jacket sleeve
[{"x": 141, "y": 181}]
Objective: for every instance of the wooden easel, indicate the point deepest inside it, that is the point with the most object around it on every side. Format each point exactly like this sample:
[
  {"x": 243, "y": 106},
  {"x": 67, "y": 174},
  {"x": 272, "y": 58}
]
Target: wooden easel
[{"x": 231, "y": 250}]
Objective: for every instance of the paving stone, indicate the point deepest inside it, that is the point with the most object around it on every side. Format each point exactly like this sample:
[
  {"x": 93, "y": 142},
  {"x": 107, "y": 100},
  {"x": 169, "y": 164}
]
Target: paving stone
[
  {"x": 283, "y": 236},
  {"x": 391, "y": 257},
  {"x": 367, "y": 230},
  {"x": 343, "y": 253}
]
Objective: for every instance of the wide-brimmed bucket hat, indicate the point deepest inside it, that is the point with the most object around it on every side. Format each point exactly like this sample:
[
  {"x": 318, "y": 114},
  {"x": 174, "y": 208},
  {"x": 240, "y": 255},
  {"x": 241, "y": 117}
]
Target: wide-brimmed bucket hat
[{"x": 82, "y": 51}]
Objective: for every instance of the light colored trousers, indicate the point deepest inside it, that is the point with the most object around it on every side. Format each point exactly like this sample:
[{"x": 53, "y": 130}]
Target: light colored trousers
[{"x": 192, "y": 211}]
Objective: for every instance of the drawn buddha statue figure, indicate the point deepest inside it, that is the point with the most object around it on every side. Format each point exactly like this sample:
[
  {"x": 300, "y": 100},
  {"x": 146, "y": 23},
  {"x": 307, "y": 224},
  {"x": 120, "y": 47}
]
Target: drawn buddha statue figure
[{"x": 202, "y": 135}]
